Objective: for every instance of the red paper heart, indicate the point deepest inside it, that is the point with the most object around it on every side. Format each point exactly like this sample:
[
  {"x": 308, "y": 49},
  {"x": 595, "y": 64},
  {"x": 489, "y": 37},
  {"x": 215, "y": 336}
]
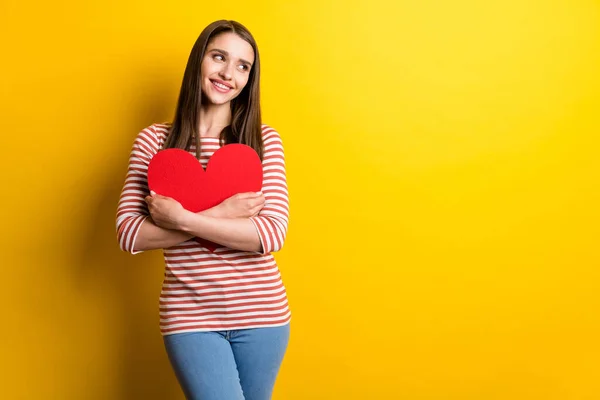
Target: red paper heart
[{"x": 234, "y": 168}]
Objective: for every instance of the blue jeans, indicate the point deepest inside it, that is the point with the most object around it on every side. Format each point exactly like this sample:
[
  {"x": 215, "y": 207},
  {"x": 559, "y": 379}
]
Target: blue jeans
[{"x": 228, "y": 365}]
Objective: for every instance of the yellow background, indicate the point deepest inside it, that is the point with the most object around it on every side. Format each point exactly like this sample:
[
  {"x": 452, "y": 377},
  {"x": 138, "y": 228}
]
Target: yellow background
[{"x": 444, "y": 180}]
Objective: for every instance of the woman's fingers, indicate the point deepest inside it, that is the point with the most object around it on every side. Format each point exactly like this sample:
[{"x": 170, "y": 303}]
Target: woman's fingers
[{"x": 254, "y": 211}]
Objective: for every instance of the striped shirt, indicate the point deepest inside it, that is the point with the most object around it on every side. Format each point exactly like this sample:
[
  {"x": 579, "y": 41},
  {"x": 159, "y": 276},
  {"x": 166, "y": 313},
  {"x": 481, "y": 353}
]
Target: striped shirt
[{"x": 225, "y": 289}]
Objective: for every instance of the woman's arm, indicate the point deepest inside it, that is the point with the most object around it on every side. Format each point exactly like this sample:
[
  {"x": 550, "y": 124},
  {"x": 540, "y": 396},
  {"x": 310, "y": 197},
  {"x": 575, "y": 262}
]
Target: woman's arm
[
  {"x": 132, "y": 211},
  {"x": 136, "y": 231},
  {"x": 235, "y": 233},
  {"x": 226, "y": 224},
  {"x": 272, "y": 221},
  {"x": 151, "y": 236}
]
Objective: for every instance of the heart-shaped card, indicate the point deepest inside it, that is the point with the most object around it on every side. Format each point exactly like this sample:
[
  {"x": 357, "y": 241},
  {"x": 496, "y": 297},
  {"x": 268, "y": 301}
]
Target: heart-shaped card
[{"x": 233, "y": 168}]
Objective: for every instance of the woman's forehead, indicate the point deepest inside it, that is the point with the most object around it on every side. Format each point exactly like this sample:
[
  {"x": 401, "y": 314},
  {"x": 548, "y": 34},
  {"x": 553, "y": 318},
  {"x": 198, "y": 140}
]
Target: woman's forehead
[{"x": 233, "y": 45}]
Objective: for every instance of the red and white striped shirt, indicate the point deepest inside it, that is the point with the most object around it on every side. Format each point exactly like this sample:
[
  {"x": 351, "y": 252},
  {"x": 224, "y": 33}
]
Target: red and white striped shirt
[{"x": 225, "y": 289}]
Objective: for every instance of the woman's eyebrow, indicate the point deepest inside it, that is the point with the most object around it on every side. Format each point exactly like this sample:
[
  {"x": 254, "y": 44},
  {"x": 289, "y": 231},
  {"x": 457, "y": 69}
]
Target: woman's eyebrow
[{"x": 227, "y": 54}]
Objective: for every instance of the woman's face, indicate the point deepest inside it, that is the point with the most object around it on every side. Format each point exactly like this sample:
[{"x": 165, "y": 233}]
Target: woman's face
[{"x": 226, "y": 67}]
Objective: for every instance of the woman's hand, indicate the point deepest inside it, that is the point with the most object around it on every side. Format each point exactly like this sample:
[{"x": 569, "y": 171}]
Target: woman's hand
[
  {"x": 242, "y": 205},
  {"x": 165, "y": 211}
]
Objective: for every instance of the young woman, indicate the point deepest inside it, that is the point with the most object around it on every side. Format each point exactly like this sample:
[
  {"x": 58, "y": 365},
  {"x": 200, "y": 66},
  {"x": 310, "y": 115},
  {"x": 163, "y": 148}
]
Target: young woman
[{"x": 224, "y": 314}]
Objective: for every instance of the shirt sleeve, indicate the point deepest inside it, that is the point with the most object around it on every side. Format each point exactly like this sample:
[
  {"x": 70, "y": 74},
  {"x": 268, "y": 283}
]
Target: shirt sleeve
[
  {"x": 132, "y": 209},
  {"x": 272, "y": 221}
]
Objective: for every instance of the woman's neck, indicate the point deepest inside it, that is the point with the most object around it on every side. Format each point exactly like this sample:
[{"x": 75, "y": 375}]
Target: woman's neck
[{"x": 213, "y": 118}]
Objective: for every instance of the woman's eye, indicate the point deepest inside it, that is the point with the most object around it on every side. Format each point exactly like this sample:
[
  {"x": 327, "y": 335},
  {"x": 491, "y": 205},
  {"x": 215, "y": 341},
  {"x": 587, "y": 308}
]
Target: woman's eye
[
  {"x": 244, "y": 67},
  {"x": 218, "y": 57}
]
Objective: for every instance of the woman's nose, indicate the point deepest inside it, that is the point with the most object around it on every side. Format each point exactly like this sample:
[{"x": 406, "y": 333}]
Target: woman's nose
[{"x": 226, "y": 71}]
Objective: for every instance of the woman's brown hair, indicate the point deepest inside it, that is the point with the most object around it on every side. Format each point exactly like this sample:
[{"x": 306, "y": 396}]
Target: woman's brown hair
[{"x": 246, "y": 122}]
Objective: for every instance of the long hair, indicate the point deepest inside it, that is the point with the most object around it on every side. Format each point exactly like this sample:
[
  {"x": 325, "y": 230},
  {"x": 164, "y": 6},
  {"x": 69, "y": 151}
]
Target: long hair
[{"x": 246, "y": 122}]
